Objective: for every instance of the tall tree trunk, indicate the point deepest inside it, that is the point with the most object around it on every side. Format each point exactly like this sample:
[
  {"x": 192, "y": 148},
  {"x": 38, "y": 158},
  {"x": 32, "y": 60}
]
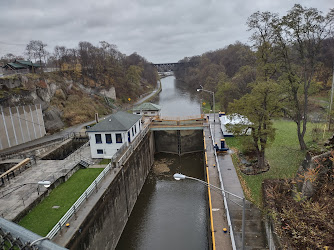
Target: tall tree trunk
[
  {"x": 260, "y": 159},
  {"x": 301, "y": 140}
]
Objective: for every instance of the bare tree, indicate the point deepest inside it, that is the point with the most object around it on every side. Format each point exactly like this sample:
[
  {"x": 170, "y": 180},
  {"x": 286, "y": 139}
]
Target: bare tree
[
  {"x": 295, "y": 39},
  {"x": 36, "y": 49}
]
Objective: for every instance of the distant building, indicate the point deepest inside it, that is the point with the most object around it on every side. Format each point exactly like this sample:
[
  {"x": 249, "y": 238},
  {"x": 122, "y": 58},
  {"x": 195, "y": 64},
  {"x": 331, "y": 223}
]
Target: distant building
[
  {"x": 21, "y": 66},
  {"x": 109, "y": 135},
  {"x": 233, "y": 120},
  {"x": 147, "y": 109}
]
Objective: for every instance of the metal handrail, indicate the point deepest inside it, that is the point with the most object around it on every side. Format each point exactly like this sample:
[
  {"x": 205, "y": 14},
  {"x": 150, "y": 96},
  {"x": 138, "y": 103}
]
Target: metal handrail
[
  {"x": 72, "y": 210},
  {"x": 229, "y": 222},
  {"x": 77, "y": 204}
]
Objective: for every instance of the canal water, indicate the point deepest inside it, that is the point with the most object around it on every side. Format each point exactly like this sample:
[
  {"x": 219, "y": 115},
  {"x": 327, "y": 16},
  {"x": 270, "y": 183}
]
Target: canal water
[{"x": 171, "y": 214}]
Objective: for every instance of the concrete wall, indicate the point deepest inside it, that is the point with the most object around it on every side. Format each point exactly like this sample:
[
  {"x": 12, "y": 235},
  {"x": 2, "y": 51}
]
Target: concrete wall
[
  {"x": 179, "y": 141},
  {"x": 20, "y": 124},
  {"x": 104, "y": 225}
]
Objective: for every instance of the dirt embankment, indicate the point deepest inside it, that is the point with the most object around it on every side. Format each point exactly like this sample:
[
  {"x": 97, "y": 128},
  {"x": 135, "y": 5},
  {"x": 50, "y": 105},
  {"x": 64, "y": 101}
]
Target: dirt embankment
[{"x": 65, "y": 101}]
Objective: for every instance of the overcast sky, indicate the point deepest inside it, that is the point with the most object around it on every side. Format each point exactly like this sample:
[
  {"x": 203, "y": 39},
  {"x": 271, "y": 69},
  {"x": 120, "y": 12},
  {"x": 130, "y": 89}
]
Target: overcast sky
[{"x": 160, "y": 31}]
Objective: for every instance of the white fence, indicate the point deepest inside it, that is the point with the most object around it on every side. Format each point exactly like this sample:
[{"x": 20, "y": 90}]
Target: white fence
[{"x": 72, "y": 211}]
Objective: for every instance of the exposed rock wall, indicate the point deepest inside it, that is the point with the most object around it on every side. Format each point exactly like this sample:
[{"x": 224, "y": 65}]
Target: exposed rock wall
[{"x": 52, "y": 91}]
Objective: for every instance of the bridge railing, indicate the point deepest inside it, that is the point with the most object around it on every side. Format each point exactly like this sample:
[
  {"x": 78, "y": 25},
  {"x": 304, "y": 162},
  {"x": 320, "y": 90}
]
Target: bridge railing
[{"x": 178, "y": 118}]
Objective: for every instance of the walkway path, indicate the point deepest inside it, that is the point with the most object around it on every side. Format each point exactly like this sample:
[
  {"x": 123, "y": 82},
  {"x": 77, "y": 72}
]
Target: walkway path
[
  {"x": 49, "y": 170},
  {"x": 254, "y": 228},
  {"x": 150, "y": 95},
  {"x": 222, "y": 240}
]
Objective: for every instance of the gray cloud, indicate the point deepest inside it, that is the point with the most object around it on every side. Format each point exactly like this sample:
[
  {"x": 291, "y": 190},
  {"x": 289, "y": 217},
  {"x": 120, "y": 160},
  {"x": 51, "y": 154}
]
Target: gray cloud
[{"x": 161, "y": 31}]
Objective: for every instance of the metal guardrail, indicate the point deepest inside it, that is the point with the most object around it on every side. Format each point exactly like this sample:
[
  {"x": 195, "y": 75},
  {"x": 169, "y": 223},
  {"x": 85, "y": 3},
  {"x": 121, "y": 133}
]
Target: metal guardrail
[
  {"x": 132, "y": 147},
  {"x": 229, "y": 222},
  {"x": 72, "y": 211},
  {"x": 13, "y": 236}
]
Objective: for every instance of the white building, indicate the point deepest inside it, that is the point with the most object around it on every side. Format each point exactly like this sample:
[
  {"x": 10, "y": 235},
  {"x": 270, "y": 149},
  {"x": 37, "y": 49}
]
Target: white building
[
  {"x": 109, "y": 135},
  {"x": 147, "y": 109}
]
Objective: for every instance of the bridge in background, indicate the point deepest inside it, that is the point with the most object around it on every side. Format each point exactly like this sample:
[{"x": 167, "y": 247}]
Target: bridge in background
[{"x": 166, "y": 67}]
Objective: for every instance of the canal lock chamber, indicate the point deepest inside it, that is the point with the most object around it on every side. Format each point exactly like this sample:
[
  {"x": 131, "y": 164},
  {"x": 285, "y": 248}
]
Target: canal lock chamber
[{"x": 171, "y": 214}]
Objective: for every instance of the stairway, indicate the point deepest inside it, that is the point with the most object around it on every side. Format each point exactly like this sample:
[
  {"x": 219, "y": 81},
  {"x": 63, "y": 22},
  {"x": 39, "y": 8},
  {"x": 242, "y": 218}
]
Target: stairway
[{"x": 85, "y": 163}]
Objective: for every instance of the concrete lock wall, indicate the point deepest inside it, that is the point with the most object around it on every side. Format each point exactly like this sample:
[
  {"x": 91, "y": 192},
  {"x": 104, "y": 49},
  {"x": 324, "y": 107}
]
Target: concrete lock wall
[
  {"x": 104, "y": 225},
  {"x": 178, "y": 141},
  {"x": 20, "y": 125}
]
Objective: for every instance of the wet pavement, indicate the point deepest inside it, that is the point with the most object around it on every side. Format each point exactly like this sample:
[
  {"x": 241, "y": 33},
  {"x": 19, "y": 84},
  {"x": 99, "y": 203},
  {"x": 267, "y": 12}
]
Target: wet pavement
[{"x": 255, "y": 237}]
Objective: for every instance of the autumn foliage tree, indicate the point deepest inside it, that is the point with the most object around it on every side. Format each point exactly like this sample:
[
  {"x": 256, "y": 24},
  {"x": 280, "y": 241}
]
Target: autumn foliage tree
[{"x": 295, "y": 40}]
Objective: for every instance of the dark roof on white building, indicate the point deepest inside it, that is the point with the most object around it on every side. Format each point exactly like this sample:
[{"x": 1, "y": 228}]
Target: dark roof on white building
[
  {"x": 147, "y": 106},
  {"x": 121, "y": 121}
]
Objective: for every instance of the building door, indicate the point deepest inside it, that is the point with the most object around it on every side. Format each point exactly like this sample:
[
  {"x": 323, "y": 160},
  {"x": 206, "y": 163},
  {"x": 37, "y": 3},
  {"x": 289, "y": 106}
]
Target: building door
[{"x": 129, "y": 140}]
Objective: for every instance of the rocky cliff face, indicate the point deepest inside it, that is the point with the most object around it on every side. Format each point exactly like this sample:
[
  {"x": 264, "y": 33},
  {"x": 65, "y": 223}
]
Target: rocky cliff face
[{"x": 64, "y": 101}]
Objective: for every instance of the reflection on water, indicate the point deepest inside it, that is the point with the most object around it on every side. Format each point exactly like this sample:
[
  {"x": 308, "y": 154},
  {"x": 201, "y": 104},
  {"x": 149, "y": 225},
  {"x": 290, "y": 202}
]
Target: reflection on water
[
  {"x": 176, "y": 100},
  {"x": 169, "y": 214}
]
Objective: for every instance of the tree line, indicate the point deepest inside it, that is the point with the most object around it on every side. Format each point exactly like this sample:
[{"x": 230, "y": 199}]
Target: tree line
[
  {"x": 95, "y": 66},
  {"x": 291, "y": 57}
]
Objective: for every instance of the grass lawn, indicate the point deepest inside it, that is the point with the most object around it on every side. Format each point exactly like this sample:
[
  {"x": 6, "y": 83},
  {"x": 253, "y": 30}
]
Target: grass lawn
[
  {"x": 104, "y": 162},
  {"x": 283, "y": 155},
  {"x": 43, "y": 217}
]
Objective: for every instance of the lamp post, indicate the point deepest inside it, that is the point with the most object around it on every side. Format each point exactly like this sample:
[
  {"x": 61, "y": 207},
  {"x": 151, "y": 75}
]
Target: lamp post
[
  {"x": 46, "y": 184},
  {"x": 213, "y": 99},
  {"x": 182, "y": 177}
]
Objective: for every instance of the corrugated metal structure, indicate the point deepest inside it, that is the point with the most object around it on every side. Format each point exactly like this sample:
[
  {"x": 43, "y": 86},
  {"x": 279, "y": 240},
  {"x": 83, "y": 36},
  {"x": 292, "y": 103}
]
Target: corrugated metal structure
[{"x": 20, "y": 124}]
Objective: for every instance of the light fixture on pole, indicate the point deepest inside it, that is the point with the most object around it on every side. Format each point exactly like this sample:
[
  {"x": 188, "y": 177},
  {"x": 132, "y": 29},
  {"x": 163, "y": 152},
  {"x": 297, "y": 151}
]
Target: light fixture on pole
[
  {"x": 46, "y": 184},
  {"x": 182, "y": 177},
  {"x": 213, "y": 100}
]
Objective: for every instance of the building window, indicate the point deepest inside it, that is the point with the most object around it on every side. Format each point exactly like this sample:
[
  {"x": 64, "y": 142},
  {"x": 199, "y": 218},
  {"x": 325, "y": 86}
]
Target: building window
[
  {"x": 108, "y": 138},
  {"x": 119, "y": 138},
  {"x": 100, "y": 151},
  {"x": 136, "y": 128},
  {"x": 98, "y": 138},
  {"x": 132, "y": 132},
  {"x": 138, "y": 113},
  {"x": 145, "y": 113},
  {"x": 152, "y": 113}
]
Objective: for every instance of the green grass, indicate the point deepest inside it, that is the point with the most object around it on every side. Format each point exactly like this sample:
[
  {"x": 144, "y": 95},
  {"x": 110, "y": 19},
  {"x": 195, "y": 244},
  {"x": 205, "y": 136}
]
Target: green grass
[
  {"x": 43, "y": 217},
  {"x": 283, "y": 155},
  {"x": 104, "y": 162}
]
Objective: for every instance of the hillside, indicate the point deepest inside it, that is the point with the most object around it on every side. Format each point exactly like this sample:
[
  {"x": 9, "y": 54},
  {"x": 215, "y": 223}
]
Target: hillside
[{"x": 67, "y": 97}]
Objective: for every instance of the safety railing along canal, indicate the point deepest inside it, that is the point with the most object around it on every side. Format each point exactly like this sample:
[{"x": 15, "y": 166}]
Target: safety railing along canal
[
  {"x": 229, "y": 222},
  {"x": 72, "y": 211}
]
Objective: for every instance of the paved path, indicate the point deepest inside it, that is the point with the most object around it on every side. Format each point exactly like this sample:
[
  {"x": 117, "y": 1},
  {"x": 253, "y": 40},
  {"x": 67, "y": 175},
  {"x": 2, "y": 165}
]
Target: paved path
[
  {"x": 46, "y": 139},
  {"x": 50, "y": 170},
  {"x": 254, "y": 227},
  {"x": 150, "y": 95},
  {"x": 222, "y": 240}
]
